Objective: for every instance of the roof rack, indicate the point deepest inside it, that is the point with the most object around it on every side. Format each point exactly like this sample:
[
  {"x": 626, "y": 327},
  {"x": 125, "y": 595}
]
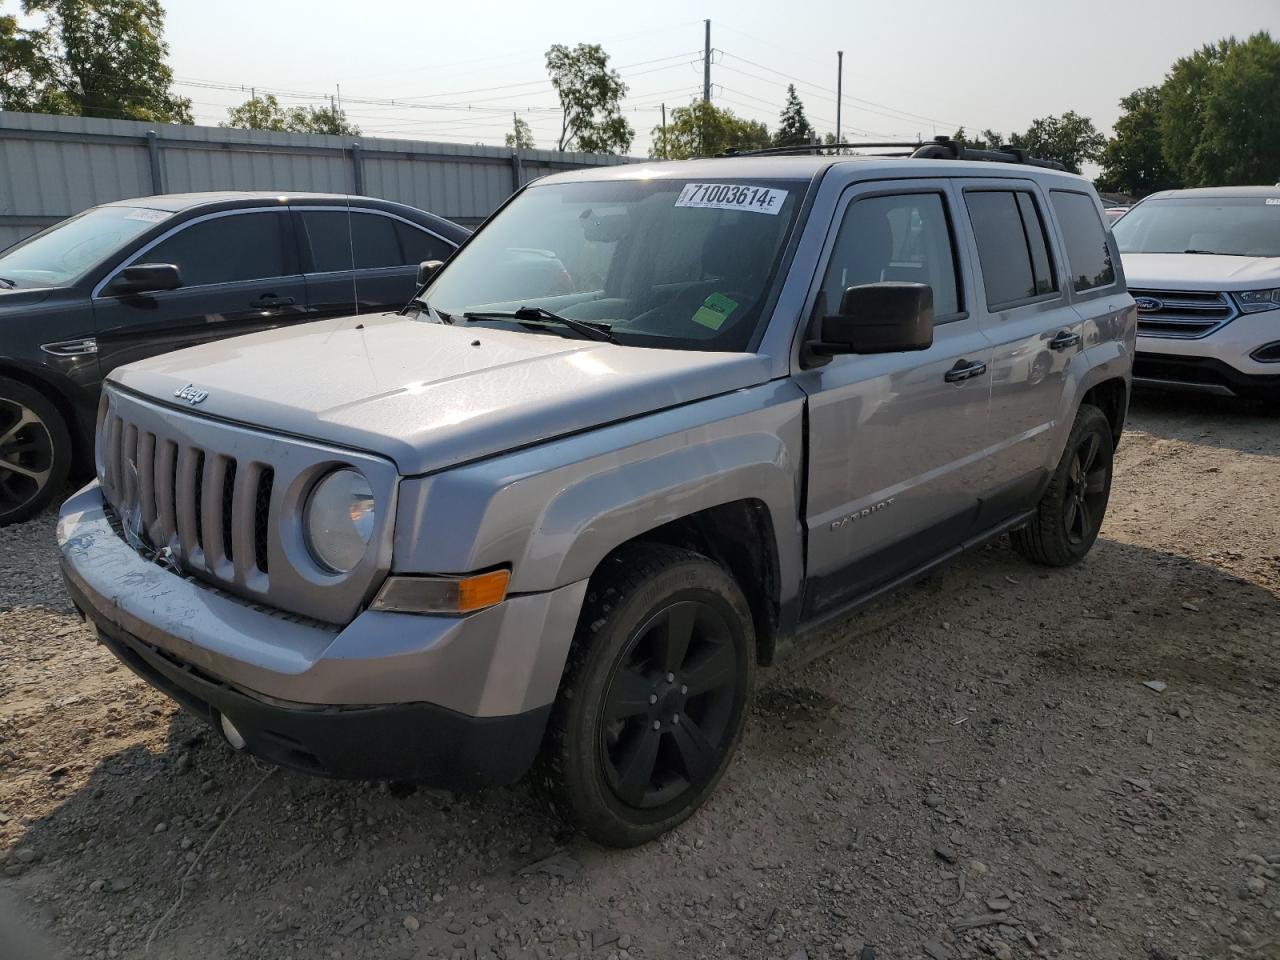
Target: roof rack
[{"x": 939, "y": 148}]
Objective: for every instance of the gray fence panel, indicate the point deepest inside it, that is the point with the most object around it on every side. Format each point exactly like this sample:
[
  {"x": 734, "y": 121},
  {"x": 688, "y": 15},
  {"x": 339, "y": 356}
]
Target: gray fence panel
[{"x": 52, "y": 167}]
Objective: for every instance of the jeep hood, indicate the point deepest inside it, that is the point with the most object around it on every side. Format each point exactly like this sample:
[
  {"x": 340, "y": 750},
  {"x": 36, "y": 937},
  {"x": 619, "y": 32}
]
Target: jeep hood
[
  {"x": 427, "y": 395},
  {"x": 1199, "y": 271}
]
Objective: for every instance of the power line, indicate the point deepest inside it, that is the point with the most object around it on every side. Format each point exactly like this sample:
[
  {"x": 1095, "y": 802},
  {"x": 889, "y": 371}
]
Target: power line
[{"x": 905, "y": 114}]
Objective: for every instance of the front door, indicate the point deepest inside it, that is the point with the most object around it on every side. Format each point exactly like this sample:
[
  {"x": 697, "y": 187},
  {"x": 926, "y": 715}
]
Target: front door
[
  {"x": 239, "y": 274},
  {"x": 895, "y": 440}
]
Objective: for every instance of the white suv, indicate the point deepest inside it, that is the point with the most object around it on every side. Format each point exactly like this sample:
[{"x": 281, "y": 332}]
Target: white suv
[{"x": 1204, "y": 268}]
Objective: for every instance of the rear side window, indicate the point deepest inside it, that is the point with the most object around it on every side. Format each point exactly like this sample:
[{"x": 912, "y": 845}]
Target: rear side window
[
  {"x": 1013, "y": 248},
  {"x": 905, "y": 237},
  {"x": 1087, "y": 250},
  {"x": 242, "y": 246},
  {"x": 418, "y": 246},
  {"x": 366, "y": 242}
]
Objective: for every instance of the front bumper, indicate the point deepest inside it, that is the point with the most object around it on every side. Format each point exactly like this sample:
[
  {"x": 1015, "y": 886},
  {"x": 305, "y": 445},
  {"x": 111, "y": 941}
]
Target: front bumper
[
  {"x": 1203, "y": 375},
  {"x": 452, "y": 700},
  {"x": 1220, "y": 363}
]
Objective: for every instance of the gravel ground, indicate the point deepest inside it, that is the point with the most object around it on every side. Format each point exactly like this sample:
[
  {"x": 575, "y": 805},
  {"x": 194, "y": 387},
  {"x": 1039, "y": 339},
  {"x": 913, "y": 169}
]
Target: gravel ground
[{"x": 978, "y": 765}]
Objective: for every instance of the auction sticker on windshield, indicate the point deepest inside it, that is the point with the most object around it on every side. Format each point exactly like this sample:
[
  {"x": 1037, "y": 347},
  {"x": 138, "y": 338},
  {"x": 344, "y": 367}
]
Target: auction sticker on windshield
[
  {"x": 732, "y": 196},
  {"x": 148, "y": 216}
]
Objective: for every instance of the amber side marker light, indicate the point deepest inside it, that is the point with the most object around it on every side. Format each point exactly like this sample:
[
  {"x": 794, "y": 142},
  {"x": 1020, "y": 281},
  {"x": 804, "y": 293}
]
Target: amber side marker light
[{"x": 449, "y": 595}]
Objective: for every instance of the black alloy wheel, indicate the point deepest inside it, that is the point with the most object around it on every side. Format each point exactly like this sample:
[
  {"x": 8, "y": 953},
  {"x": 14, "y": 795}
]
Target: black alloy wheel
[
  {"x": 1087, "y": 485},
  {"x": 665, "y": 721},
  {"x": 1069, "y": 516},
  {"x": 654, "y": 695}
]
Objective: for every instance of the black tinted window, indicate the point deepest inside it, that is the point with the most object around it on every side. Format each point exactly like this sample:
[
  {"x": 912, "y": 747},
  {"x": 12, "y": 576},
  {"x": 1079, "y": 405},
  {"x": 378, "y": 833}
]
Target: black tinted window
[
  {"x": 242, "y": 246},
  {"x": 418, "y": 245},
  {"x": 902, "y": 238},
  {"x": 1037, "y": 243},
  {"x": 1087, "y": 250},
  {"x": 368, "y": 240},
  {"x": 1005, "y": 246}
]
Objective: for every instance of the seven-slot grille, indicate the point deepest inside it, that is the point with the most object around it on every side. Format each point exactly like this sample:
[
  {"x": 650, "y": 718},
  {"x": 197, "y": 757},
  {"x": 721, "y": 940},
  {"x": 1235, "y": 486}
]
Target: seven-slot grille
[
  {"x": 212, "y": 510},
  {"x": 1185, "y": 314}
]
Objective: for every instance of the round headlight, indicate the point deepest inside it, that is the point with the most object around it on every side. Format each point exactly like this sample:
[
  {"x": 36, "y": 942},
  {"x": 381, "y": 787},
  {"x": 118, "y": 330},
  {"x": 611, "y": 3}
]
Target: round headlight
[{"x": 340, "y": 520}]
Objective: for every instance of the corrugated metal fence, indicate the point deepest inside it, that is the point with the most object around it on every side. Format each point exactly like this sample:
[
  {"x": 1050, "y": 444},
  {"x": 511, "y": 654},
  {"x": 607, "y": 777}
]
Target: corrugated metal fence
[{"x": 52, "y": 167}]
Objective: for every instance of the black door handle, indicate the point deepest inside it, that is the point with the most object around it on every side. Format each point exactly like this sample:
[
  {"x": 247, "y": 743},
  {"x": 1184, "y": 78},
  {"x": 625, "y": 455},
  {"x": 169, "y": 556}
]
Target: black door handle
[
  {"x": 268, "y": 300},
  {"x": 1063, "y": 340},
  {"x": 965, "y": 370}
]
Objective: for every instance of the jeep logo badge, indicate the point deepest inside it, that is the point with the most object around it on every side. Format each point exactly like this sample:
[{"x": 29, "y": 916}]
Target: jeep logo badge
[
  {"x": 191, "y": 393},
  {"x": 1148, "y": 304}
]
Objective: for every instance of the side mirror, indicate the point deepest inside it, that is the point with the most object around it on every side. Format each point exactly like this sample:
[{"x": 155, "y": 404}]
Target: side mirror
[
  {"x": 427, "y": 269},
  {"x": 146, "y": 278},
  {"x": 878, "y": 318}
]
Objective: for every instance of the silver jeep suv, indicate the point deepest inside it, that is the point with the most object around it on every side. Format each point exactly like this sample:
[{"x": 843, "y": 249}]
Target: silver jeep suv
[{"x": 644, "y": 432}]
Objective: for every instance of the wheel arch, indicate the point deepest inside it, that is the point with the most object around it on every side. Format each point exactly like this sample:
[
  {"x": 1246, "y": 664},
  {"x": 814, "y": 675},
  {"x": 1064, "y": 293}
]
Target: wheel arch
[
  {"x": 58, "y": 395},
  {"x": 739, "y": 536},
  {"x": 1111, "y": 396}
]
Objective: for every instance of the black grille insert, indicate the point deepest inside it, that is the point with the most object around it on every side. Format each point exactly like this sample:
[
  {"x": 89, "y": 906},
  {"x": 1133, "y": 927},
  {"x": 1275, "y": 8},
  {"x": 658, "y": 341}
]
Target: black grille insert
[{"x": 262, "y": 517}]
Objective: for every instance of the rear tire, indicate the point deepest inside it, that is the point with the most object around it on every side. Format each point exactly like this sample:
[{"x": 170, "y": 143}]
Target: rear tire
[
  {"x": 654, "y": 696},
  {"x": 1070, "y": 513},
  {"x": 35, "y": 452}
]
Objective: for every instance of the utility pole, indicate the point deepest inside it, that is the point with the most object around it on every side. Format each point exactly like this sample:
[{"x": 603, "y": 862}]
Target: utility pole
[
  {"x": 664, "y": 131},
  {"x": 839, "y": 90},
  {"x": 706, "y": 64}
]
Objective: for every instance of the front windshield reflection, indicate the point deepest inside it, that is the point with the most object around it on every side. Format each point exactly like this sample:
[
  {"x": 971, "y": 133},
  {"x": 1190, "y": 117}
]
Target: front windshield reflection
[{"x": 683, "y": 264}]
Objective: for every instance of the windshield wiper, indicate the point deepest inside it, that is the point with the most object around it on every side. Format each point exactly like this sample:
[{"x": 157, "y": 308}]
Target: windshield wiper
[
  {"x": 8, "y": 284},
  {"x": 538, "y": 315},
  {"x": 1209, "y": 253}
]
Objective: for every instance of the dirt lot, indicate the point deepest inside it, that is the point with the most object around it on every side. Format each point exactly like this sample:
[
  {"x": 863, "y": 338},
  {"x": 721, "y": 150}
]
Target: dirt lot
[{"x": 973, "y": 767}]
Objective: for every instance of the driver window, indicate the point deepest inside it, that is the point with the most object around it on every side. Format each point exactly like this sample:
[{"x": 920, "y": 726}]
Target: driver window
[{"x": 902, "y": 238}]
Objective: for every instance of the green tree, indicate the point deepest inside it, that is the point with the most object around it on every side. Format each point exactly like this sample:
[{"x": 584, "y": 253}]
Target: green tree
[
  {"x": 111, "y": 59},
  {"x": 793, "y": 126},
  {"x": 1220, "y": 113},
  {"x": 521, "y": 135},
  {"x": 331, "y": 120},
  {"x": 1133, "y": 160},
  {"x": 702, "y": 130},
  {"x": 591, "y": 97},
  {"x": 265, "y": 113},
  {"x": 987, "y": 140},
  {"x": 257, "y": 113},
  {"x": 1070, "y": 139},
  {"x": 29, "y": 70}
]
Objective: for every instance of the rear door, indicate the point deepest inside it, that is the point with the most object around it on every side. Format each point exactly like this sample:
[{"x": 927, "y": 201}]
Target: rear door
[
  {"x": 1035, "y": 334},
  {"x": 895, "y": 440},
  {"x": 240, "y": 274},
  {"x": 362, "y": 261}
]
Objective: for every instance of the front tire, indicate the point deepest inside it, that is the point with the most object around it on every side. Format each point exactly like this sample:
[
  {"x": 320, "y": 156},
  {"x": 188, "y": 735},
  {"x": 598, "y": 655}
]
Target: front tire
[
  {"x": 35, "y": 452},
  {"x": 1070, "y": 513},
  {"x": 654, "y": 696}
]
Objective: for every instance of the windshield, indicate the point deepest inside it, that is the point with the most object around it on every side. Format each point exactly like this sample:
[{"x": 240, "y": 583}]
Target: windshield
[
  {"x": 666, "y": 263},
  {"x": 67, "y": 250},
  {"x": 1235, "y": 226}
]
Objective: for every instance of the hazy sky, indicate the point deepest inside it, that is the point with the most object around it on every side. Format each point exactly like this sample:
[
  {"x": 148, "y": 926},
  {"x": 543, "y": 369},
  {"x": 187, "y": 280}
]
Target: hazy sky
[{"x": 914, "y": 66}]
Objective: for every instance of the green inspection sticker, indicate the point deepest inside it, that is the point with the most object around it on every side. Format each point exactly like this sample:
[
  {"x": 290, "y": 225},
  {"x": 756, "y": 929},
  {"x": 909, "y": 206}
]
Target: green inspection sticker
[{"x": 715, "y": 311}]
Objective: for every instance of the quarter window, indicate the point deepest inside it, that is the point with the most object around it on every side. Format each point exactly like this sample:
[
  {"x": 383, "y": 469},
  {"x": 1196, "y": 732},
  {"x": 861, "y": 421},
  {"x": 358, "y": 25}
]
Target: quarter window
[
  {"x": 1013, "y": 247},
  {"x": 238, "y": 247},
  {"x": 1087, "y": 250},
  {"x": 904, "y": 237}
]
